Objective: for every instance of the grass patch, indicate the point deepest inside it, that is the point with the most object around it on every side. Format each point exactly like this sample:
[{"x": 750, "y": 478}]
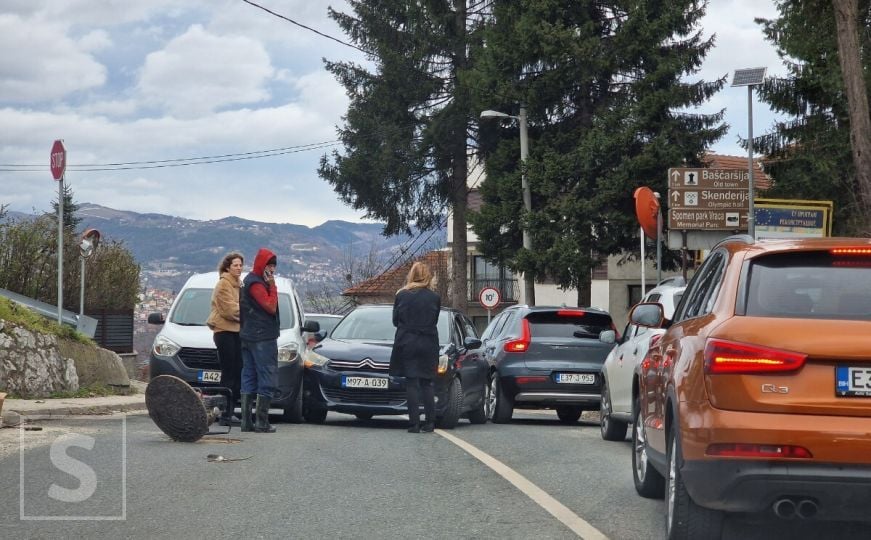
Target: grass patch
[{"x": 24, "y": 316}]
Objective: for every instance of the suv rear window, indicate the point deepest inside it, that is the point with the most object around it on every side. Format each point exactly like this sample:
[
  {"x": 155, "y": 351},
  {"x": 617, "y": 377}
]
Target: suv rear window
[
  {"x": 568, "y": 323},
  {"x": 810, "y": 286}
]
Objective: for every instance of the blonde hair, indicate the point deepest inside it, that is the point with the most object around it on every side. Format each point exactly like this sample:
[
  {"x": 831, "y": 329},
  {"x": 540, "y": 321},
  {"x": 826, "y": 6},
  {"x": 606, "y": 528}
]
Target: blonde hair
[
  {"x": 419, "y": 277},
  {"x": 224, "y": 265}
]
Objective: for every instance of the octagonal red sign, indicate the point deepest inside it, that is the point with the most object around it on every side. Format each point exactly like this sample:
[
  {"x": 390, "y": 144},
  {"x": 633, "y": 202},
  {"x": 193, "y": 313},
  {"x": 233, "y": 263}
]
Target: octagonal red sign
[{"x": 58, "y": 160}]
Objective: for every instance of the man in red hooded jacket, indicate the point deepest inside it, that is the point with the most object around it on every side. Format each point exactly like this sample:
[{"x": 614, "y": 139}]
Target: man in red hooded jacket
[{"x": 259, "y": 330}]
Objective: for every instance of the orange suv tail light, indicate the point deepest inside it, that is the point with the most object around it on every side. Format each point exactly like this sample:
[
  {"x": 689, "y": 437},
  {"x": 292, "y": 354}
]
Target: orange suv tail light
[
  {"x": 723, "y": 356},
  {"x": 522, "y": 344}
]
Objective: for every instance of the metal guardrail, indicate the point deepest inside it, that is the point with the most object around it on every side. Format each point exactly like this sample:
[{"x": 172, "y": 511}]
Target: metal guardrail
[
  {"x": 84, "y": 324},
  {"x": 507, "y": 288}
]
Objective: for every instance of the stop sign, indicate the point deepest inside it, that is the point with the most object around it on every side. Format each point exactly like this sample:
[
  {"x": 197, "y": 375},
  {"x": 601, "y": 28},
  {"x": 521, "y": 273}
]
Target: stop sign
[{"x": 58, "y": 161}]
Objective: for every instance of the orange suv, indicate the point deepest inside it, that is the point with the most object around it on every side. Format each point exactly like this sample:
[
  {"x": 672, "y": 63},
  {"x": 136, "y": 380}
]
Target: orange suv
[{"x": 758, "y": 396}]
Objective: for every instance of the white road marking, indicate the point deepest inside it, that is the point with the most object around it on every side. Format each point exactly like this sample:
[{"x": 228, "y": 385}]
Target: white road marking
[{"x": 568, "y": 518}]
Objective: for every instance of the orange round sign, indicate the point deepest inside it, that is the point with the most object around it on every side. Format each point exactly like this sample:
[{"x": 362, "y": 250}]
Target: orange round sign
[{"x": 646, "y": 209}]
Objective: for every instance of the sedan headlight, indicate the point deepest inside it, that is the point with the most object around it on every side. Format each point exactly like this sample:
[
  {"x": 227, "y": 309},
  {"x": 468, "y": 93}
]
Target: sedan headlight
[
  {"x": 165, "y": 347},
  {"x": 288, "y": 353},
  {"x": 314, "y": 359}
]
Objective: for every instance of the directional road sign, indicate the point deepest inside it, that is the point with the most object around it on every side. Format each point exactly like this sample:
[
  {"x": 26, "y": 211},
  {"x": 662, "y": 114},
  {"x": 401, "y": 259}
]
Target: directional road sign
[{"x": 708, "y": 199}]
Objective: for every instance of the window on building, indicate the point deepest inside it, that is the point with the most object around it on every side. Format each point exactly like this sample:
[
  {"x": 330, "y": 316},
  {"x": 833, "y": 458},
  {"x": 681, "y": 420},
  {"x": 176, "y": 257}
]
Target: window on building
[{"x": 634, "y": 295}]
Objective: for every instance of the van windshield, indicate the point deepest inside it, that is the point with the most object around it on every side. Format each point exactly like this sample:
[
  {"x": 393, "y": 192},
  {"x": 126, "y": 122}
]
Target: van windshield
[{"x": 193, "y": 306}]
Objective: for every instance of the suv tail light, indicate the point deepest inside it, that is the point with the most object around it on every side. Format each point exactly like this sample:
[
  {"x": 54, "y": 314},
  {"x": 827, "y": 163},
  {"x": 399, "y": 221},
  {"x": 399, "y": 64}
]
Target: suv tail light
[
  {"x": 723, "y": 356},
  {"x": 522, "y": 344},
  {"x": 860, "y": 251}
]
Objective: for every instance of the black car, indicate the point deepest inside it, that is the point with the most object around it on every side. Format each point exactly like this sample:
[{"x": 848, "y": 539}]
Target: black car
[
  {"x": 348, "y": 371},
  {"x": 547, "y": 357}
]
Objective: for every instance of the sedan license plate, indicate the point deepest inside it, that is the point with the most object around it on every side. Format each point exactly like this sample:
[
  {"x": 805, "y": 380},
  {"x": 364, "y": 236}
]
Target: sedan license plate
[
  {"x": 377, "y": 383},
  {"x": 209, "y": 376},
  {"x": 853, "y": 381},
  {"x": 576, "y": 378}
]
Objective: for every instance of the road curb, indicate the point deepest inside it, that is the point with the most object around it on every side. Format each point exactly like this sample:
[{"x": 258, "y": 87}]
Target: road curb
[{"x": 12, "y": 414}]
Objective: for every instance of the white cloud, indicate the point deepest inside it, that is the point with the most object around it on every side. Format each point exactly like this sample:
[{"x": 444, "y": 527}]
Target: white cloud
[
  {"x": 99, "y": 12},
  {"x": 199, "y": 72},
  {"x": 95, "y": 41},
  {"x": 49, "y": 64}
]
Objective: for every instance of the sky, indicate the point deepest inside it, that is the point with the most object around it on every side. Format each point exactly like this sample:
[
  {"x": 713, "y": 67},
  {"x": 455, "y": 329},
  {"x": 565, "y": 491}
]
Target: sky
[{"x": 123, "y": 81}]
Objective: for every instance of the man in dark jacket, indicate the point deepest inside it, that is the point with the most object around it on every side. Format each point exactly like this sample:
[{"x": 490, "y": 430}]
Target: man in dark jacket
[
  {"x": 259, "y": 330},
  {"x": 415, "y": 352}
]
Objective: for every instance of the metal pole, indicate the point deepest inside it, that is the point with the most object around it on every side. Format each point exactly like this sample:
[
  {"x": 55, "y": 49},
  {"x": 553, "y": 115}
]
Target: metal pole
[
  {"x": 751, "y": 218},
  {"x": 82, "y": 291},
  {"x": 60, "y": 249},
  {"x": 528, "y": 281},
  {"x": 658, "y": 242},
  {"x": 643, "y": 264}
]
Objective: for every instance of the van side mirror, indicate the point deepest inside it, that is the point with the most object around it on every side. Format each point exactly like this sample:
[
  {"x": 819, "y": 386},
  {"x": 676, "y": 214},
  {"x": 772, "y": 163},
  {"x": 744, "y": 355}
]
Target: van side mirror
[
  {"x": 311, "y": 326},
  {"x": 156, "y": 318}
]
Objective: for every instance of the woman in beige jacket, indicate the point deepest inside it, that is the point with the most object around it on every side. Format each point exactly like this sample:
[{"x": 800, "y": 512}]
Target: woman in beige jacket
[{"x": 224, "y": 322}]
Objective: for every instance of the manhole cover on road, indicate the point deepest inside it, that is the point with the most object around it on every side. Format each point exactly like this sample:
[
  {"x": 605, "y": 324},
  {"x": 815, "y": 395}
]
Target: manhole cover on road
[{"x": 176, "y": 408}]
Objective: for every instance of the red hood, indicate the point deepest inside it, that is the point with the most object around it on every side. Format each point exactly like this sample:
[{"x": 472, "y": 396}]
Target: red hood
[{"x": 260, "y": 261}]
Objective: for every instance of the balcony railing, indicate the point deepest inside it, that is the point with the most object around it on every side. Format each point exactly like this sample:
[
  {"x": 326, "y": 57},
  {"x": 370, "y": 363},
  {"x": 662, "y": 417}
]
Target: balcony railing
[{"x": 507, "y": 288}]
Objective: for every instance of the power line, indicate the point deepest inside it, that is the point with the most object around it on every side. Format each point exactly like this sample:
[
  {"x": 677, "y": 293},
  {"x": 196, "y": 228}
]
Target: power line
[
  {"x": 179, "y": 162},
  {"x": 370, "y": 283},
  {"x": 310, "y": 29}
]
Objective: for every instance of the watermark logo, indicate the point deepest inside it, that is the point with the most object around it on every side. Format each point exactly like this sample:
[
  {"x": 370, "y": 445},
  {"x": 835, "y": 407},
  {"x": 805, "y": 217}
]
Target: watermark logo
[{"x": 80, "y": 475}]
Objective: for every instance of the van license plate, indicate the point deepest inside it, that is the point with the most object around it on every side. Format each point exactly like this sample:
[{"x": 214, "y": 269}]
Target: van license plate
[
  {"x": 576, "y": 378},
  {"x": 364, "y": 382},
  {"x": 853, "y": 381},
  {"x": 209, "y": 376}
]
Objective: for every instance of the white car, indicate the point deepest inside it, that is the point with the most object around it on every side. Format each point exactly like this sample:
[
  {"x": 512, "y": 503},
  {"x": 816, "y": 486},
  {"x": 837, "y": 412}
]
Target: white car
[{"x": 620, "y": 370}]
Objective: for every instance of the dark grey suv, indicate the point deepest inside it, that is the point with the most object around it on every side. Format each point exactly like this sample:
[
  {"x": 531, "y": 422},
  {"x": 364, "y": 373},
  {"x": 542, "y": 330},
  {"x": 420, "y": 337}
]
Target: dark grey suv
[{"x": 546, "y": 357}]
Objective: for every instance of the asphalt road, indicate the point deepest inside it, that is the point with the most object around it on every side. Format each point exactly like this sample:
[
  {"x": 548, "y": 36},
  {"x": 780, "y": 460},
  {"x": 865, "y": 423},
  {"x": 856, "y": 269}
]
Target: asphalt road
[{"x": 345, "y": 479}]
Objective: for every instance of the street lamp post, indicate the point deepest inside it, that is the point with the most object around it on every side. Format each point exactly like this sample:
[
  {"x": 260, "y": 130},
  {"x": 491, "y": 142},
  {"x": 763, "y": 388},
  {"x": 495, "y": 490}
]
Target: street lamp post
[
  {"x": 528, "y": 281},
  {"x": 749, "y": 77}
]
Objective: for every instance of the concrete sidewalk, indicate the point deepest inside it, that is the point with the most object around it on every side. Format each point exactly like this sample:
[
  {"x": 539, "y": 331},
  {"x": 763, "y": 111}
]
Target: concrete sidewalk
[{"x": 13, "y": 409}]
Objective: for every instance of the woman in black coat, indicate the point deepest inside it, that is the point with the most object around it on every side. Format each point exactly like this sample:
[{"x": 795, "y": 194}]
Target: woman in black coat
[{"x": 415, "y": 353}]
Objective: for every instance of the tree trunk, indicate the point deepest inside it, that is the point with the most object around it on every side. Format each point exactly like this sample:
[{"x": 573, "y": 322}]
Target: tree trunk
[
  {"x": 460, "y": 169},
  {"x": 849, "y": 55},
  {"x": 584, "y": 297}
]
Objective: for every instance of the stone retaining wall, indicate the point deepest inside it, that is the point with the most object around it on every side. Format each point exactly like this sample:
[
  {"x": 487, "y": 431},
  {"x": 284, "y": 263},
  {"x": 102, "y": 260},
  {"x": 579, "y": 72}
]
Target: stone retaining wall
[{"x": 35, "y": 365}]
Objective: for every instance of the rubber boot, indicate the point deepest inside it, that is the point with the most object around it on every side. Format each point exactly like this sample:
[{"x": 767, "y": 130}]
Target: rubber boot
[
  {"x": 247, "y": 425},
  {"x": 262, "y": 425},
  {"x": 228, "y": 418}
]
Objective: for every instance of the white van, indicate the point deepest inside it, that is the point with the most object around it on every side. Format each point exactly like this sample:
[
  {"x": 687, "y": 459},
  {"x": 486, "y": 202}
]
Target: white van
[{"x": 185, "y": 347}]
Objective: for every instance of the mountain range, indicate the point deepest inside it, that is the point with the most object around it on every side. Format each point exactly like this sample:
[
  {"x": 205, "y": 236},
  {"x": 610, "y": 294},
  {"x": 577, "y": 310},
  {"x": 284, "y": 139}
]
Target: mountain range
[{"x": 169, "y": 248}]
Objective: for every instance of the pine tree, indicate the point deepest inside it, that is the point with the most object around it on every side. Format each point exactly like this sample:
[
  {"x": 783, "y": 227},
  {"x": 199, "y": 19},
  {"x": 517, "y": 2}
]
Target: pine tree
[
  {"x": 71, "y": 220},
  {"x": 602, "y": 83},
  {"x": 810, "y": 152},
  {"x": 405, "y": 132}
]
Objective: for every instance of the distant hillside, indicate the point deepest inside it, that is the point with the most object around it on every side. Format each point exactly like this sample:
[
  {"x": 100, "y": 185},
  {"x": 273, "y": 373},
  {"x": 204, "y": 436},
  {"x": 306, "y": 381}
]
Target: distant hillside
[{"x": 171, "y": 248}]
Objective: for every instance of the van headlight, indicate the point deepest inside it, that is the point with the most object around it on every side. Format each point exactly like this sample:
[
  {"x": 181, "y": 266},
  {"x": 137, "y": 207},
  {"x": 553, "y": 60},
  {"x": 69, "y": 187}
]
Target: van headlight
[
  {"x": 164, "y": 346},
  {"x": 314, "y": 359},
  {"x": 288, "y": 353}
]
